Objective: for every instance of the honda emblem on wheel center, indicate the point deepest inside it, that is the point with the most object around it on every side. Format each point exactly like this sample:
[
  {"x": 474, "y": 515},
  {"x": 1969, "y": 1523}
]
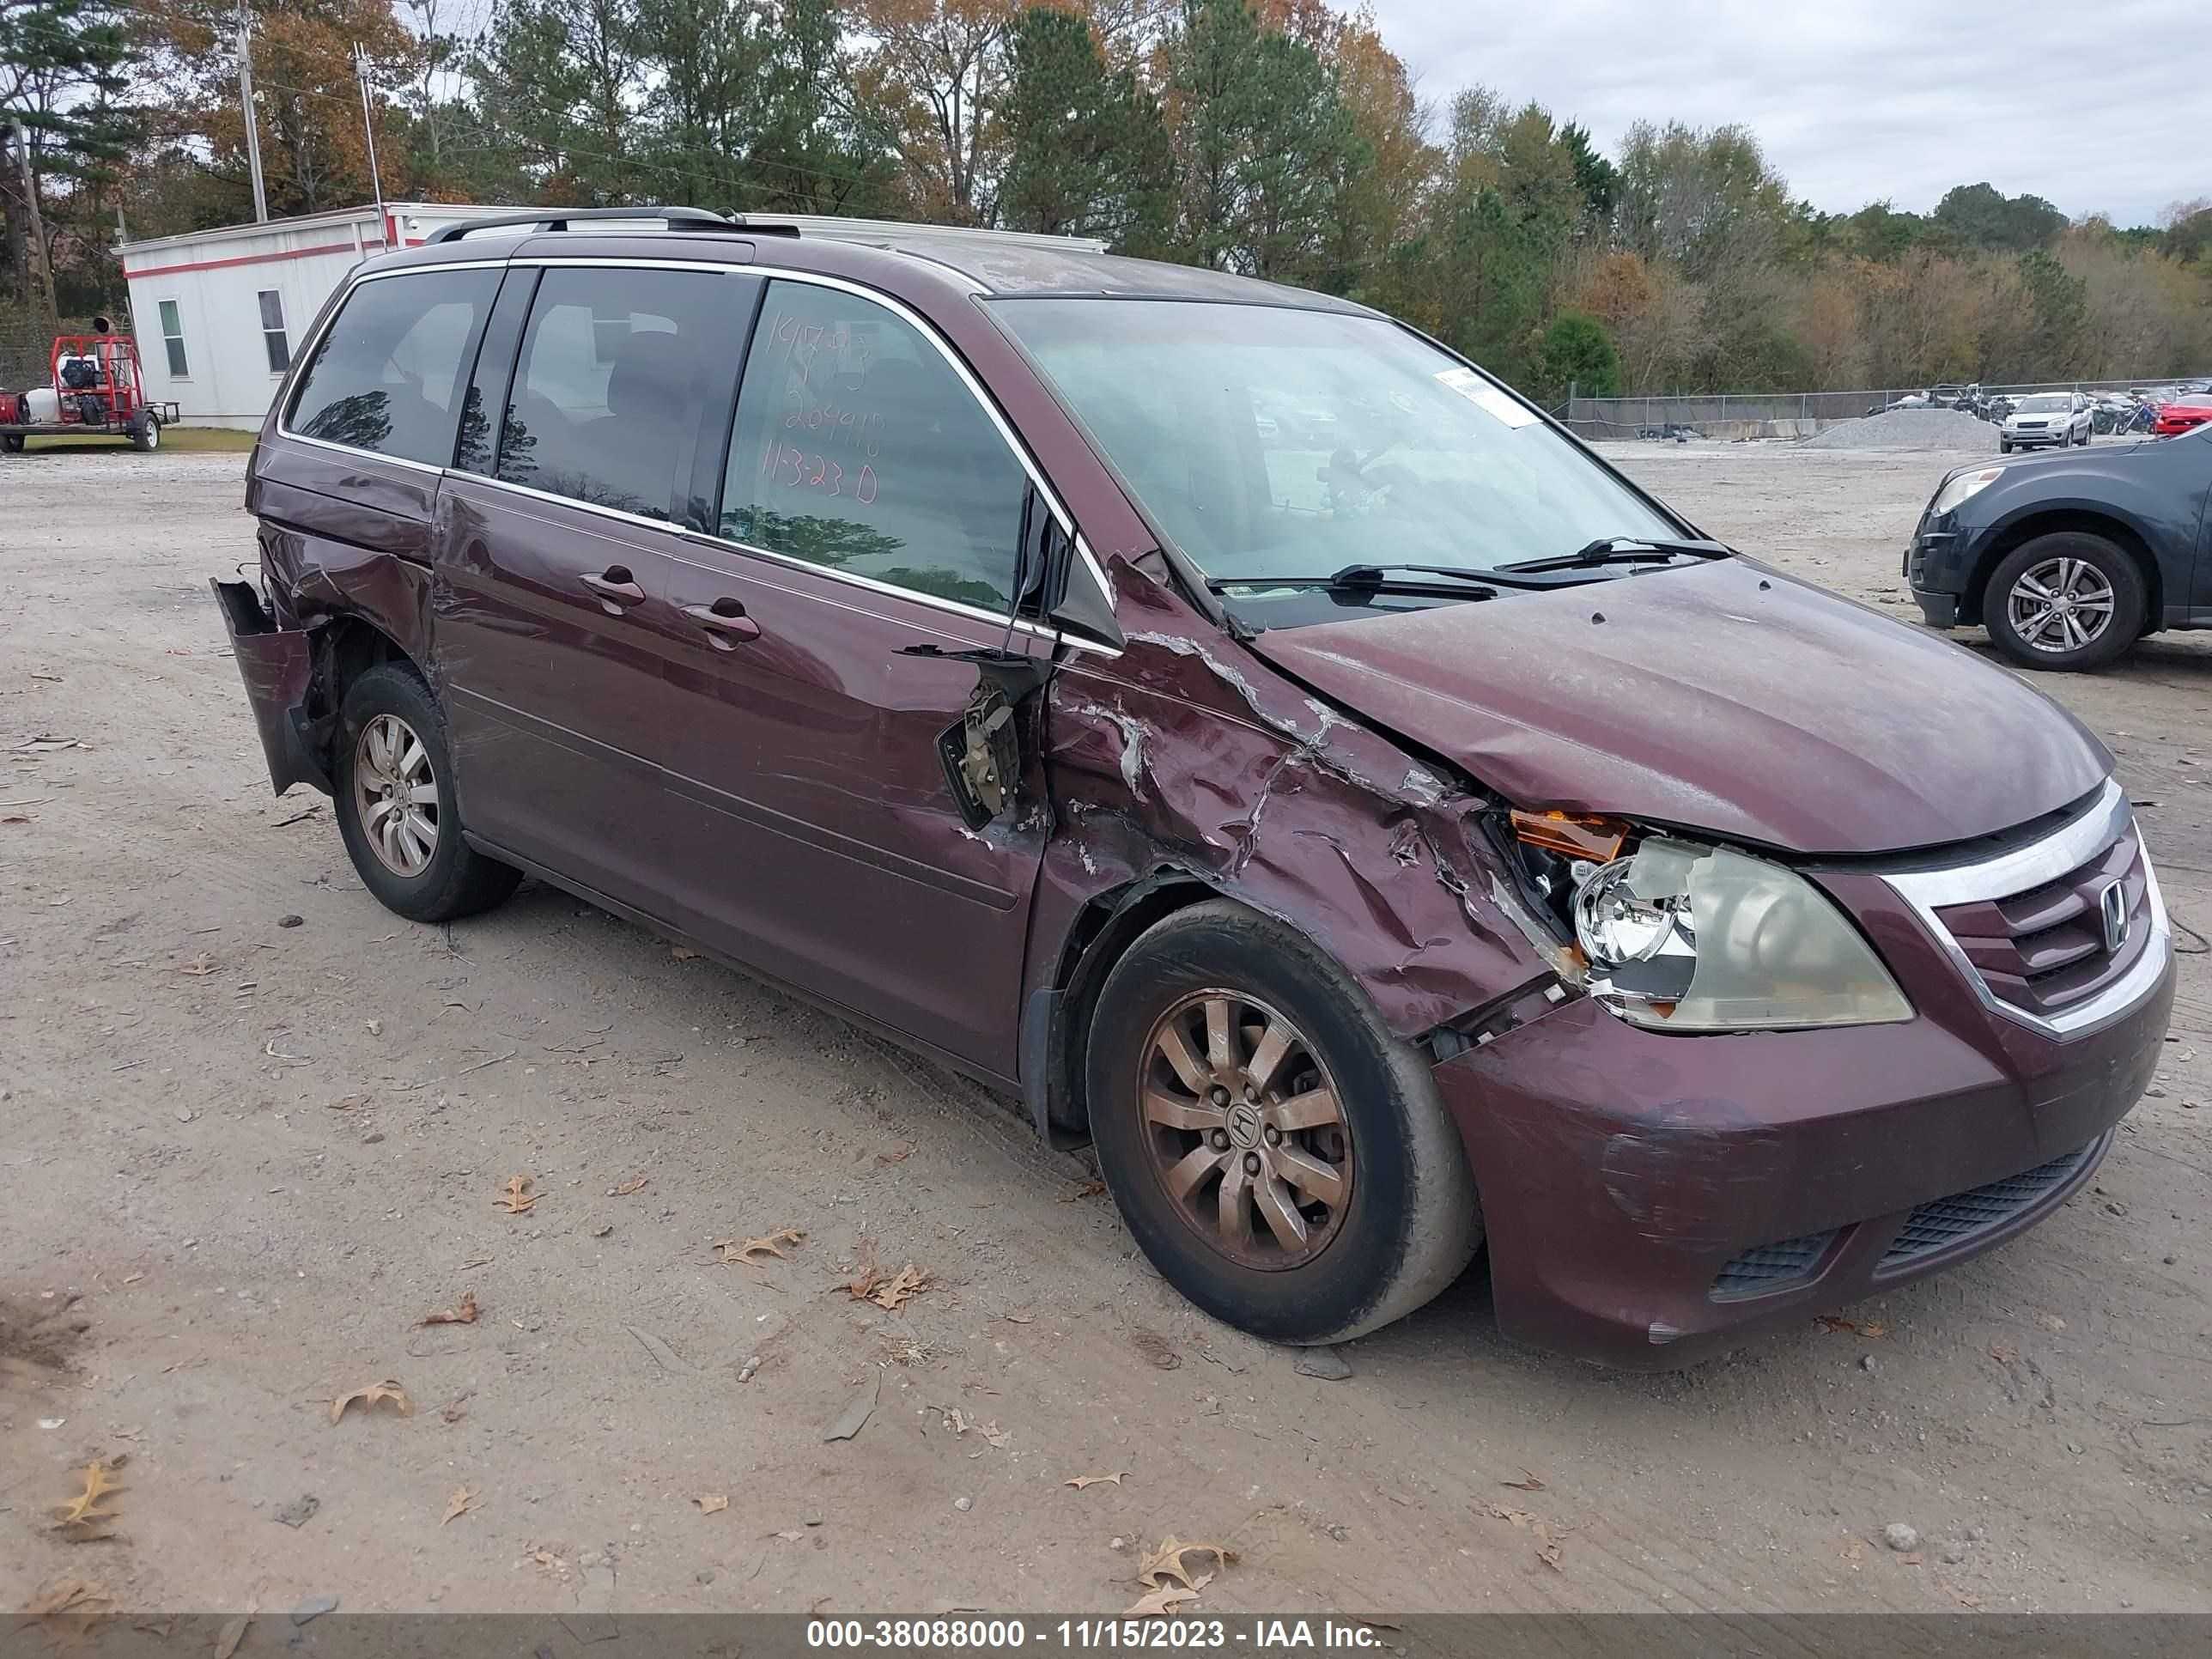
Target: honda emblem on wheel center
[{"x": 2112, "y": 906}]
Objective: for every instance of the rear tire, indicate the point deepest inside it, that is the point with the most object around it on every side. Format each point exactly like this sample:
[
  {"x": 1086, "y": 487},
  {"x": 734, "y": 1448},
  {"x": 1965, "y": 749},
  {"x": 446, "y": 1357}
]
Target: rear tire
[
  {"x": 12, "y": 442},
  {"x": 2027, "y": 621},
  {"x": 146, "y": 433},
  {"x": 394, "y": 780},
  {"x": 1348, "y": 1199}
]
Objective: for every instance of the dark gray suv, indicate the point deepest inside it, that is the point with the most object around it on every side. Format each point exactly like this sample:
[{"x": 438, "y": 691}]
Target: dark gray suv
[{"x": 2069, "y": 559}]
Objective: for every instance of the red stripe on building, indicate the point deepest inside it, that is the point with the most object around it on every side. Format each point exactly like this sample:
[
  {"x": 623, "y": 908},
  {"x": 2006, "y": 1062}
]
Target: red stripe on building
[{"x": 367, "y": 244}]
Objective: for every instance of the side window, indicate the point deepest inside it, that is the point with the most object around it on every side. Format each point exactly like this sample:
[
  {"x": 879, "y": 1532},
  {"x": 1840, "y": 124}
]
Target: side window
[
  {"x": 858, "y": 447},
  {"x": 173, "y": 336},
  {"x": 273, "y": 339},
  {"x": 610, "y": 386},
  {"x": 386, "y": 376}
]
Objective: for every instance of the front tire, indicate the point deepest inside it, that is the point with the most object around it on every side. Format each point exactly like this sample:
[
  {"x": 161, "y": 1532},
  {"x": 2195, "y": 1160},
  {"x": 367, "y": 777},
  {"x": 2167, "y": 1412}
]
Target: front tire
[
  {"x": 2066, "y": 602},
  {"x": 2004, "y": 446},
  {"x": 396, "y": 810},
  {"x": 1280, "y": 1158}
]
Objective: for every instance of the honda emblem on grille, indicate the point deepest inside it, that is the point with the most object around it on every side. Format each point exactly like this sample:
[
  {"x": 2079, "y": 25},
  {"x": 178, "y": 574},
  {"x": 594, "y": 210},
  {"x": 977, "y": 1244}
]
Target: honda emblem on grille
[{"x": 2112, "y": 906}]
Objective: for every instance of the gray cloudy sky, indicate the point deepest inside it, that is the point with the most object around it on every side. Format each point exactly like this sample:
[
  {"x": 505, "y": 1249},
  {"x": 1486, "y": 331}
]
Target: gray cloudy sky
[{"x": 1858, "y": 100}]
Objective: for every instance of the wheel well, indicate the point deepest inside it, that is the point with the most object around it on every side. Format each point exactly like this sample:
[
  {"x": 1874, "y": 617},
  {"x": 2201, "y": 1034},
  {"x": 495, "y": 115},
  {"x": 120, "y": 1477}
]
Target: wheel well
[
  {"x": 350, "y": 646},
  {"x": 2093, "y": 524},
  {"x": 1104, "y": 930}
]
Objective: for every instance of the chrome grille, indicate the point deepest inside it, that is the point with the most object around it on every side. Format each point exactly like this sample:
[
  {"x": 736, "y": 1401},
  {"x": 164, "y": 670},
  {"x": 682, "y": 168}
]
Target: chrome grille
[{"x": 2044, "y": 949}]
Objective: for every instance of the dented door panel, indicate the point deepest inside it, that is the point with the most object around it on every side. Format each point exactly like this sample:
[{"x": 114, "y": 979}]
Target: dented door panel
[{"x": 813, "y": 828}]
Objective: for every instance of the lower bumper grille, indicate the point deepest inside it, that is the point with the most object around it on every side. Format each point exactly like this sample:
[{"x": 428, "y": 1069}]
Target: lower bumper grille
[
  {"x": 1943, "y": 1221},
  {"x": 1775, "y": 1267}
]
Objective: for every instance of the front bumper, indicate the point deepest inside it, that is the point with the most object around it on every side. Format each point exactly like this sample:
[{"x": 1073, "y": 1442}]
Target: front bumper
[{"x": 1650, "y": 1199}]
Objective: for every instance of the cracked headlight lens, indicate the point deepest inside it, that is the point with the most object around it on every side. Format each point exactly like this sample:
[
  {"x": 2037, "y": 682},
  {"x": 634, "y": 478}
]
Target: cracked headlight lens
[{"x": 1685, "y": 937}]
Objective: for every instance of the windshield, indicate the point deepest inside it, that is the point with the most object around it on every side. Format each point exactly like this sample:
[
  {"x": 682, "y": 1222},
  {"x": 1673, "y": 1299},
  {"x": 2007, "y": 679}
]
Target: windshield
[
  {"x": 1270, "y": 441},
  {"x": 2049, "y": 403}
]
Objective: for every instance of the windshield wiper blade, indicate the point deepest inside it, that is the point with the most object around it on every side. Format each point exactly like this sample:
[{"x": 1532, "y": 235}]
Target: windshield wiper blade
[
  {"x": 1625, "y": 549},
  {"x": 1372, "y": 579}
]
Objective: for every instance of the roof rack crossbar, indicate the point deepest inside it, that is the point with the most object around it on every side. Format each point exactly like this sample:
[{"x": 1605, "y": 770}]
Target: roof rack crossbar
[{"x": 559, "y": 219}]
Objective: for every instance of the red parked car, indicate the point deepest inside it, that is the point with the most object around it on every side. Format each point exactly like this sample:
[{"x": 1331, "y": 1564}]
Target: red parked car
[
  {"x": 1384, "y": 833},
  {"x": 2183, "y": 414}
]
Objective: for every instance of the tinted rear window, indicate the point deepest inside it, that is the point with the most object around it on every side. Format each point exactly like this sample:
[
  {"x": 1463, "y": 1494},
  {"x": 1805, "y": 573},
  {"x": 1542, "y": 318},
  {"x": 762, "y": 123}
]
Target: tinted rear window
[
  {"x": 387, "y": 375},
  {"x": 611, "y": 387}
]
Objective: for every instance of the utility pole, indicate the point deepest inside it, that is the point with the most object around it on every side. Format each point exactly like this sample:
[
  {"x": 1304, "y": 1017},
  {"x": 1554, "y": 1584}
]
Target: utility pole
[
  {"x": 37, "y": 227},
  {"x": 368, "y": 127},
  {"x": 245, "y": 104}
]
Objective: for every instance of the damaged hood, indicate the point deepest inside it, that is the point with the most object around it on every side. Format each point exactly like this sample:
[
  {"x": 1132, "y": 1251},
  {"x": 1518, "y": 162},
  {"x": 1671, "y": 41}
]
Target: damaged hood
[{"x": 1722, "y": 697}]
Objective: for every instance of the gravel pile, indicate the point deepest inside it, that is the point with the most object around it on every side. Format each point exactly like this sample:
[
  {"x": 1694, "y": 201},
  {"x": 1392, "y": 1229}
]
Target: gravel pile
[{"x": 1905, "y": 429}]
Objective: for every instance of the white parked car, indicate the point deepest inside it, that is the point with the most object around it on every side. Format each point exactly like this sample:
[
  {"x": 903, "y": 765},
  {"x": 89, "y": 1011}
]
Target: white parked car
[{"x": 2055, "y": 418}]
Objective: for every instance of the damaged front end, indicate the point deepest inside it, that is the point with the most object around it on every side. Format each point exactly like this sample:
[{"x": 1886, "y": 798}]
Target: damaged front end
[{"x": 279, "y": 669}]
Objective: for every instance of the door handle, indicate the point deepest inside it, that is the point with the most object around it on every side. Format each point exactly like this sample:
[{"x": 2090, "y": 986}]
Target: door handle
[
  {"x": 616, "y": 589},
  {"x": 726, "y": 623}
]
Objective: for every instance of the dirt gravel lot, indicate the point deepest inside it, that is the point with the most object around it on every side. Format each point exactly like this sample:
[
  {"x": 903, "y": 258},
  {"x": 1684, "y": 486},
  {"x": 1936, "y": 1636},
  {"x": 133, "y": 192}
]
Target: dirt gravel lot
[{"x": 253, "y": 1130}]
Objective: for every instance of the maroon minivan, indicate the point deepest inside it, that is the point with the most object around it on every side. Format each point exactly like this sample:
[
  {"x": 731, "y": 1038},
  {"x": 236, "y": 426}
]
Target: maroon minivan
[{"x": 1229, "y": 720}]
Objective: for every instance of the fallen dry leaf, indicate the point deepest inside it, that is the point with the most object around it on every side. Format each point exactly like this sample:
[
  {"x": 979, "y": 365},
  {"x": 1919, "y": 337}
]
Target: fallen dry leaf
[
  {"x": 2051, "y": 1321},
  {"x": 1966, "y": 1599},
  {"x": 1167, "y": 1562},
  {"x": 516, "y": 1195},
  {"x": 2003, "y": 1352},
  {"x": 1160, "y": 1604},
  {"x": 1547, "y": 1547},
  {"x": 1837, "y": 1323},
  {"x": 1080, "y": 1481},
  {"x": 465, "y": 1313},
  {"x": 82, "y": 1517},
  {"x": 1521, "y": 1518},
  {"x": 375, "y": 1393},
  {"x": 1156, "y": 1348},
  {"x": 79, "y": 1596},
  {"x": 908, "y": 1282},
  {"x": 1082, "y": 1190},
  {"x": 1527, "y": 1482},
  {"x": 904, "y": 1152},
  {"x": 459, "y": 1503},
  {"x": 227, "y": 1639},
  {"x": 199, "y": 967},
  {"x": 712, "y": 1503},
  {"x": 682, "y": 952},
  {"x": 754, "y": 1249},
  {"x": 634, "y": 1184}
]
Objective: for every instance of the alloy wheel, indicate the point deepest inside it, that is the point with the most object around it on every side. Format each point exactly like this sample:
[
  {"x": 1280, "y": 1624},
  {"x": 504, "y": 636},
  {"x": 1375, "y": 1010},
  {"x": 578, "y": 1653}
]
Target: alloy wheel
[
  {"x": 2060, "y": 605},
  {"x": 1247, "y": 1133},
  {"x": 396, "y": 794}
]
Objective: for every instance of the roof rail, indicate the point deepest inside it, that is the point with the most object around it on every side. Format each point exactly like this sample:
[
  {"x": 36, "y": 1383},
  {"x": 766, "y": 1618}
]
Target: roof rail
[{"x": 675, "y": 218}]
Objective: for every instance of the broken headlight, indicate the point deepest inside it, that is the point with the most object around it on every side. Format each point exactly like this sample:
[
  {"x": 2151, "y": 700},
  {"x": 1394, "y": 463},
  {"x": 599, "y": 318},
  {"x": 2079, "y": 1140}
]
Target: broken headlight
[{"x": 1685, "y": 936}]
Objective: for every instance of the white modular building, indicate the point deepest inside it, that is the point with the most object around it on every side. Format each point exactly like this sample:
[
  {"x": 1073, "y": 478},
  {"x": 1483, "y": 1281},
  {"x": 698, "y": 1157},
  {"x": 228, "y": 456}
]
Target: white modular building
[{"x": 218, "y": 313}]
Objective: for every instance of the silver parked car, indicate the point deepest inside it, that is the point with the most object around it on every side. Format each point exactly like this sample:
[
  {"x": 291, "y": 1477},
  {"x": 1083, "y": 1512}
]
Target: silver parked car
[{"x": 2055, "y": 418}]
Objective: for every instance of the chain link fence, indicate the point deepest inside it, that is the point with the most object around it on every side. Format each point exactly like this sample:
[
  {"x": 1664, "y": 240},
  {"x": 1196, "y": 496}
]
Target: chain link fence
[{"x": 1776, "y": 414}]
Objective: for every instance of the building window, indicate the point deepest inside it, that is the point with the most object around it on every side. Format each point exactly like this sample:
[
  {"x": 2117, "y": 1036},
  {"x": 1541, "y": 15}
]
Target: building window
[
  {"x": 173, "y": 336},
  {"x": 272, "y": 330}
]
